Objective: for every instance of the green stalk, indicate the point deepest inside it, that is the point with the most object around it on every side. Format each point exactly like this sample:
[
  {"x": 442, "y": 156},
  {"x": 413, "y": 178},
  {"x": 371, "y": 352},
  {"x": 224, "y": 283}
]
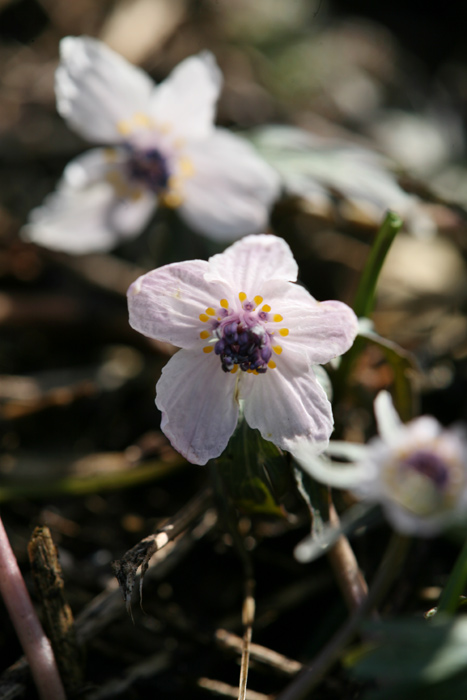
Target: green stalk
[{"x": 455, "y": 586}]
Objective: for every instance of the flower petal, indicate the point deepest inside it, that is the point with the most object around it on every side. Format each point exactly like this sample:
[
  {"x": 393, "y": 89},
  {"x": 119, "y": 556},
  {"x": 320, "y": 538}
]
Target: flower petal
[
  {"x": 249, "y": 263},
  {"x": 97, "y": 89},
  {"x": 335, "y": 474},
  {"x": 185, "y": 101},
  {"x": 166, "y": 303},
  {"x": 196, "y": 398},
  {"x": 85, "y": 213},
  {"x": 289, "y": 409},
  {"x": 231, "y": 190},
  {"x": 323, "y": 330},
  {"x": 390, "y": 426}
]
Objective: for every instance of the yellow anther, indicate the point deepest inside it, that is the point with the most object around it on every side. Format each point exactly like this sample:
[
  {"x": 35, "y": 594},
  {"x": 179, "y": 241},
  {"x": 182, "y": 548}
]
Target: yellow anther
[
  {"x": 136, "y": 195},
  {"x": 258, "y": 300},
  {"x": 242, "y": 296},
  {"x": 271, "y": 364},
  {"x": 266, "y": 308},
  {"x": 204, "y": 334},
  {"x": 141, "y": 119},
  {"x": 186, "y": 167},
  {"x": 224, "y": 303},
  {"x": 123, "y": 128},
  {"x": 277, "y": 349},
  {"x": 210, "y": 311},
  {"x": 284, "y": 332},
  {"x": 255, "y": 371},
  {"x": 208, "y": 348},
  {"x": 234, "y": 369},
  {"x": 203, "y": 318},
  {"x": 172, "y": 200},
  {"x": 277, "y": 318},
  {"x": 249, "y": 371}
]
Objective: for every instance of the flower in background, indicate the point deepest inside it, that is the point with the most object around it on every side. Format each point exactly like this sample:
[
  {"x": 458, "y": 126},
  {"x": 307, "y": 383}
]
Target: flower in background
[
  {"x": 417, "y": 471},
  {"x": 249, "y": 339},
  {"x": 323, "y": 170},
  {"x": 161, "y": 146}
]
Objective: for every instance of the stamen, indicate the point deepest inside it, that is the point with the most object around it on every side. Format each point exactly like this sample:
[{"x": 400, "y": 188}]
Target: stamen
[
  {"x": 266, "y": 308},
  {"x": 277, "y": 318},
  {"x": 272, "y": 364},
  {"x": 172, "y": 200},
  {"x": 123, "y": 128},
  {"x": 258, "y": 300},
  {"x": 210, "y": 311},
  {"x": 203, "y": 318},
  {"x": 234, "y": 369},
  {"x": 242, "y": 296},
  {"x": 204, "y": 334},
  {"x": 186, "y": 167},
  {"x": 224, "y": 303},
  {"x": 284, "y": 332},
  {"x": 277, "y": 348},
  {"x": 208, "y": 348}
]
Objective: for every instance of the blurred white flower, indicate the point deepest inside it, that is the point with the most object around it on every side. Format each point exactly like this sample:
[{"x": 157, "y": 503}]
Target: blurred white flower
[
  {"x": 317, "y": 169},
  {"x": 249, "y": 339},
  {"x": 162, "y": 146},
  {"x": 416, "y": 471}
]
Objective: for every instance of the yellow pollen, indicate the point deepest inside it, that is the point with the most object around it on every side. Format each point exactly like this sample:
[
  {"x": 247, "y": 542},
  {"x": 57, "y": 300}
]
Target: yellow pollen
[
  {"x": 203, "y": 318},
  {"x": 141, "y": 119},
  {"x": 136, "y": 195},
  {"x": 186, "y": 167},
  {"x": 266, "y": 308},
  {"x": 277, "y": 318},
  {"x": 224, "y": 303},
  {"x": 249, "y": 371},
  {"x": 255, "y": 371},
  {"x": 204, "y": 334},
  {"x": 210, "y": 311},
  {"x": 110, "y": 155},
  {"x": 271, "y": 364},
  {"x": 172, "y": 200},
  {"x": 234, "y": 369},
  {"x": 208, "y": 348},
  {"x": 123, "y": 128},
  {"x": 284, "y": 332},
  {"x": 258, "y": 300},
  {"x": 242, "y": 296},
  {"x": 277, "y": 349}
]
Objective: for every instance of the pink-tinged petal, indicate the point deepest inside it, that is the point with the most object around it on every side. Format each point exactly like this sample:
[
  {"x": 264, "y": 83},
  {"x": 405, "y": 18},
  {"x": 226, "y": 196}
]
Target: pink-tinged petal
[
  {"x": 185, "y": 101},
  {"x": 289, "y": 408},
  {"x": 97, "y": 89},
  {"x": 86, "y": 214},
  {"x": 166, "y": 303},
  {"x": 248, "y": 264},
  {"x": 199, "y": 411},
  {"x": 231, "y": 190}
]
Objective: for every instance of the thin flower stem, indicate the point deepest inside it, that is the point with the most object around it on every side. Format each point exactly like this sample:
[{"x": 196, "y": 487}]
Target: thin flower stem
[
  {"x": 345, "y": 566},
  {"x": 449, "y": 599},
  {"x": 308, "y": 679},
  {"x": 365, "y": 296},
  {"x": 35, "y": 644}
]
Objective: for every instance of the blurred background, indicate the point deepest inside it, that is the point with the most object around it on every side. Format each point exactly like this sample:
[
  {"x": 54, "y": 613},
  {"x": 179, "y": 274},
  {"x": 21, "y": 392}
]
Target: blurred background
[{"x": 81, "y": 448}]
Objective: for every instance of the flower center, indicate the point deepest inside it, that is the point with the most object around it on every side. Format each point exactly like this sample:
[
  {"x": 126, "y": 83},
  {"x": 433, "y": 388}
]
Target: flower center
[
  {"x": 240, "y": 335},
  {"x": 148, "y": 167},
  {"x": 429, "y": 465}
]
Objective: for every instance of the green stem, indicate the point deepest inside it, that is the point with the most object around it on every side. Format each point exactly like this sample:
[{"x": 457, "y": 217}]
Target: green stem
[
  {"x": 456, "y": 584},
  {"x": 364, "y": 299},
  {"x": 365, "y": 296}
]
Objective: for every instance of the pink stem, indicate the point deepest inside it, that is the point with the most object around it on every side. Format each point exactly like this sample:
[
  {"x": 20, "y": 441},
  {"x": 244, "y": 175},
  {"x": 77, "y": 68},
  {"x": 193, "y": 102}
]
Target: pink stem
[{"x": 36, "y": 645}]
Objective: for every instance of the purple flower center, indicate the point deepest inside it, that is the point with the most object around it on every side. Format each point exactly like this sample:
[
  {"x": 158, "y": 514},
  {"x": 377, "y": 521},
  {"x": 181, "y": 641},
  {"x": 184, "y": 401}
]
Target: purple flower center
[
  {"x": 148, "y": 167},
  {"x": 243, "y": 341},
  {"x": 430, "y": 465},
  {"x": 241, "y": 337}
]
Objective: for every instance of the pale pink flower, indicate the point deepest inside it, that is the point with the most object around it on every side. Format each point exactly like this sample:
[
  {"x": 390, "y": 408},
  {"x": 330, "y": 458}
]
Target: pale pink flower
[
  {"x": 416, "y": 471},
  {"x": 249, "y": 339},
  {"x": 161, "y": 146}
]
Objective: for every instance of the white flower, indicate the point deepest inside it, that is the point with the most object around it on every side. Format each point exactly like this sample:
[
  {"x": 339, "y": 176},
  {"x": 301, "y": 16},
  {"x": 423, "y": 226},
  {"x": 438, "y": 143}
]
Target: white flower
[
  {"x": 249, "y": 338},
  {"x": 417, "y": 471},
  {"x": 162, "y": 146}
]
